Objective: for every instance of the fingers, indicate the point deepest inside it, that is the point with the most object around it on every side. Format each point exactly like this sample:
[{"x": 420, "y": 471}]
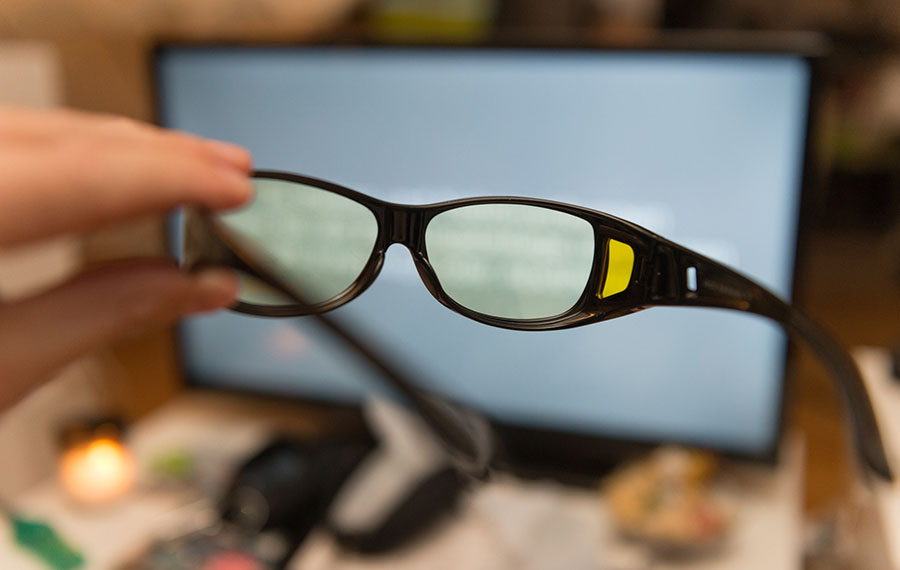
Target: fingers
[
  {"x": 41, "y": 334},
  {"x": 65, "y": 171}
]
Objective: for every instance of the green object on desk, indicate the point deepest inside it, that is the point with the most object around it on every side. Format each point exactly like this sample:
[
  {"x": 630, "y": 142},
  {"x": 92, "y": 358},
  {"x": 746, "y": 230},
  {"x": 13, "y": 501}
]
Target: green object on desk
[
  {"x": 176, "y": 464},
  {"x": 41, "y": 540}
]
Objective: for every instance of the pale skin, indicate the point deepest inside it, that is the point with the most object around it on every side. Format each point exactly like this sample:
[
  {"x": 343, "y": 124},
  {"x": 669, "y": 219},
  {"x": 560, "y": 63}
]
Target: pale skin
[{"x": 65, "y": 172}]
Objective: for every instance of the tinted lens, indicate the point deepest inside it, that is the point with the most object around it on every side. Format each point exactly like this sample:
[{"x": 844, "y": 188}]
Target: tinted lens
[
  {"x": 315, "y": 240},
  {"x": 511, "y": 260}
]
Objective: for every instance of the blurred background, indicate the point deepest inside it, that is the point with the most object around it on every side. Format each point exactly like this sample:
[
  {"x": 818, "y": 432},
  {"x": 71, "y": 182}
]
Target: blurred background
[{"x": 96, "y": 55}]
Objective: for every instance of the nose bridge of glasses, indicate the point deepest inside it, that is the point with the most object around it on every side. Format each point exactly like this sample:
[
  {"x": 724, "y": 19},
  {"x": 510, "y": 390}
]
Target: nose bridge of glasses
[{"x": 404, "y": 223}]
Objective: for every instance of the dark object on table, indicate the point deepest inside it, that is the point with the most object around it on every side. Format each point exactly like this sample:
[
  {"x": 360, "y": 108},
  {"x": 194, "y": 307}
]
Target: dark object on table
[
  {"x": 289, "y": 485},
  {"x": 401, "y": 490},
  {"x": 85, "y": 429},
  {"x": 424, "y": 502}
]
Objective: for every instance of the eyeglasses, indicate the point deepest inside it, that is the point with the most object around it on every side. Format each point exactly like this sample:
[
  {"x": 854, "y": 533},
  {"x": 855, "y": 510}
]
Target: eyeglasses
[{"x": 306, "y": 246}]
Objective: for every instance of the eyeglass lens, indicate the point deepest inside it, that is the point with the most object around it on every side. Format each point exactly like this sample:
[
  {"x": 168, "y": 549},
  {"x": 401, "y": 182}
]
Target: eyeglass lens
[
  {"x": 511, "y": 260},
  {"x": 319, "y": 241}
]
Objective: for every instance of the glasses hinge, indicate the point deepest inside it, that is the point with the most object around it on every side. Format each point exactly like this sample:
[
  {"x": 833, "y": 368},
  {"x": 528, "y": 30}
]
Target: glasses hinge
[{"x": 664, "y": 284}]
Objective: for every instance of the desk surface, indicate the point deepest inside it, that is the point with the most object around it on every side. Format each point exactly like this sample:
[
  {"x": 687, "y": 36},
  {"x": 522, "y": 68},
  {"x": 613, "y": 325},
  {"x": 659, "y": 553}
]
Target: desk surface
[{"x": 505, "y": 524}]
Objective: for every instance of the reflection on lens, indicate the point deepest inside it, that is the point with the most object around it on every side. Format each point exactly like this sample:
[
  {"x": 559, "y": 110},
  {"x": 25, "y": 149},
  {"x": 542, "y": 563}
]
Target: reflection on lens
[
  {"x": 511, "y": 260},
  {"x": 317, "y": 241}
]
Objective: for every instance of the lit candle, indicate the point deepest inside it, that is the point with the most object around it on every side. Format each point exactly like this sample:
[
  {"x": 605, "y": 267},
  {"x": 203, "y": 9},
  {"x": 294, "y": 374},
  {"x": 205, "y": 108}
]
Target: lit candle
[{"x": 97, "y": 471}]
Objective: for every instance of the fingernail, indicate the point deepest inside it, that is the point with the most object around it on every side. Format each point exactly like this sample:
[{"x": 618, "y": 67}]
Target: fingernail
[
  {"x": 232, "y": 155},
  {"x": 215, "y": 288}
]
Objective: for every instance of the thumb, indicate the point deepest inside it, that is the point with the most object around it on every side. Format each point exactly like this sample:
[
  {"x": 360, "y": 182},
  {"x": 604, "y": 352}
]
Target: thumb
[{"x": 40, "y": 334}]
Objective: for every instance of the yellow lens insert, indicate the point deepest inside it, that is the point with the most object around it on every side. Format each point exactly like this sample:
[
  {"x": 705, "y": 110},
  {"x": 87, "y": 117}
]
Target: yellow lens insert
[{"x": 619, "y": 265}]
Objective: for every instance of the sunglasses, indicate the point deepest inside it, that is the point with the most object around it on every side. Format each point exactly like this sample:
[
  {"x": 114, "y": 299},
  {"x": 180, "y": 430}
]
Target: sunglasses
[{"x": 305, "y": 246}]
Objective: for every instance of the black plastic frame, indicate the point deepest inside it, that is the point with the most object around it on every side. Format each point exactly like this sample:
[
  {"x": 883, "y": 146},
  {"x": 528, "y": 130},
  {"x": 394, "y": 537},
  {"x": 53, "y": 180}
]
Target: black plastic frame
[
  {"x": 517, "y": 441},
  {"x": 406, "y": 225}
]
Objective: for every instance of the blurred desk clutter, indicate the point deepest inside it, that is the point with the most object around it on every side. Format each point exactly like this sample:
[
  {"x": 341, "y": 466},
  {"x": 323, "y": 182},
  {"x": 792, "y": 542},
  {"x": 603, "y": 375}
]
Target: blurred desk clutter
[
  {"x": 188, "y": 451},
  {"x": 878, "y": 371}
]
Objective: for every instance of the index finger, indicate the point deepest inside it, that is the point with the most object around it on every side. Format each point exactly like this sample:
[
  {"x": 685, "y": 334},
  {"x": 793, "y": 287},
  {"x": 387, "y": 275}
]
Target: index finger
[{"x": 112, "y": 171}]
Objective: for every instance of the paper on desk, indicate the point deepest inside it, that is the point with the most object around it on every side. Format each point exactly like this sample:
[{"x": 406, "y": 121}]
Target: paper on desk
[{"x": 543, "y": 526}]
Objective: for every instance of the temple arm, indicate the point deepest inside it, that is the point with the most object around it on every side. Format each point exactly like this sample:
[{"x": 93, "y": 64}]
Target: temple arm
[{"x": 679, "y": 276}]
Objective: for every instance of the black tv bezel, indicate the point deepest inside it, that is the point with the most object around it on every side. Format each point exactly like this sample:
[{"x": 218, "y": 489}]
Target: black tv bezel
[{"x": 539, "y": 451}]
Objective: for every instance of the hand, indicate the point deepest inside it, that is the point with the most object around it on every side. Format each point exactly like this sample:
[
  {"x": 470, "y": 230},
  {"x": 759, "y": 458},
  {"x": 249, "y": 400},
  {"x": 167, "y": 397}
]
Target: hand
[{"x": 65, "y": 172}]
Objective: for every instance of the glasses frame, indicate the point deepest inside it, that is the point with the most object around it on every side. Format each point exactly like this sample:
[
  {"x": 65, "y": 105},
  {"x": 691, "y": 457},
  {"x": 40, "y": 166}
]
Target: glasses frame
[
  {"x": 659, "y": 278},
  {"x": 406, "y": 225}
]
